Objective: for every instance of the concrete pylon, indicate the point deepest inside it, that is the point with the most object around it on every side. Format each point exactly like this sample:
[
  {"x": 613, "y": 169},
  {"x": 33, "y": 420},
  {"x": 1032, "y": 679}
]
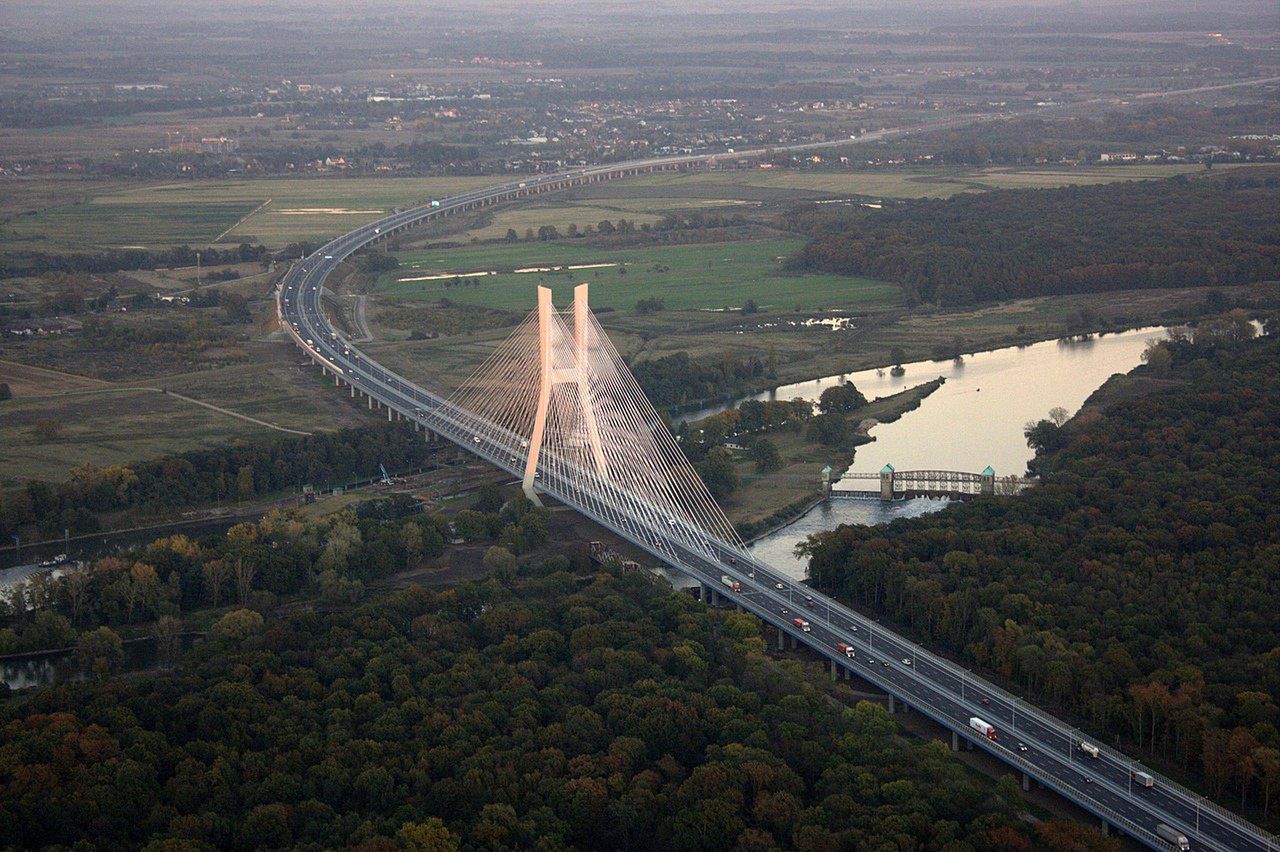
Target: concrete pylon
[
  {"x": 544, "y": 392},
  {"x": 576, "y": 375}
]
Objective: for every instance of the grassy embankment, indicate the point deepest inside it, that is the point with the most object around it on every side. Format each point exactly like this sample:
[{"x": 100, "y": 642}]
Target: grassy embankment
[{"x": 763, "y": 502}]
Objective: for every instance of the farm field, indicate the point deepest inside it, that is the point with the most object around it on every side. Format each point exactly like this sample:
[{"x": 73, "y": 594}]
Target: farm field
[
  {"x": 283, "y": 210},
  {"x": 59, "y": 213},
  {"x": 109, "y": 426},
  {"x": 707, "y": 276},
  {"x": 766, "y": 185},
  {"x": 105, "y": 423}
]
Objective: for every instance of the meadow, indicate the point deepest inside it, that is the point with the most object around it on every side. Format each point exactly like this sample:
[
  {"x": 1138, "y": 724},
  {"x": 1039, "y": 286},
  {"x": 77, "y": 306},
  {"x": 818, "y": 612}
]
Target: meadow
[
  {"x": 706, "y": 276},
  {"x": 59, "y": 213},
  {"x": 275, "y": 211}
]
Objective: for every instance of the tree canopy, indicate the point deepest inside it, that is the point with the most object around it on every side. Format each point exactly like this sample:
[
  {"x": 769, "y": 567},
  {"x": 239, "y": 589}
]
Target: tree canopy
[{"x": 1135, "y": 587}]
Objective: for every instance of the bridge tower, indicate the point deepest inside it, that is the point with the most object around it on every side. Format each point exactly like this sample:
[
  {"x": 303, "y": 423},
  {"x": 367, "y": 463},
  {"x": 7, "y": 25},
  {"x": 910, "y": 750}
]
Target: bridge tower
[
  {"x": 552, "y": 375},
  {"x": 988, "y": 480},
  {"x": 886, "y": 482}
]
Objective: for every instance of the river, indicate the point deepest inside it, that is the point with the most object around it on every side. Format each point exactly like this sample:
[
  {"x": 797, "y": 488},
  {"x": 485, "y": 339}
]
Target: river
[{"x": 974, "y": 420}]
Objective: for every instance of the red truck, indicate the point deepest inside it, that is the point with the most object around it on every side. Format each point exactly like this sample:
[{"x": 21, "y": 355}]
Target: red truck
[
  {"x": 801, "y": 623},
  {"x": 847, "y": 650}
]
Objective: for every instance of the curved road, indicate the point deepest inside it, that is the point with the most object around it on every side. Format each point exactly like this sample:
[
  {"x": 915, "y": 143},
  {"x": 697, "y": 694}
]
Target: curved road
[{"x": 1035, "y": 742}]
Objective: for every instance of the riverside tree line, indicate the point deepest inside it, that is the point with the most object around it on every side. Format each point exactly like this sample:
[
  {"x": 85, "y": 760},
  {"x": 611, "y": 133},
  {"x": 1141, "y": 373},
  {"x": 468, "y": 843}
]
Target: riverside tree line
[
  {"x": 1009, "y": 244},
  {"x": 1135, "y": 588}
]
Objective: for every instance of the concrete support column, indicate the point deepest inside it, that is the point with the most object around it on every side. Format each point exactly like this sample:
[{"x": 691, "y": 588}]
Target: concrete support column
[
  {"x": 1026, "y": 783},
  {"x": 336, "y": 381},
  {"x": 371, "y": 403},
  {"x": 782, "y": 640},
  {"x": 353, "y": 391},
  {"x": 893, "y": 705},
  {"x": 955, "y": 746},
  {"x": 1106, "y": 829},
  {"x": 886, "y": 482},
  {"x": 835, "y": 670}
]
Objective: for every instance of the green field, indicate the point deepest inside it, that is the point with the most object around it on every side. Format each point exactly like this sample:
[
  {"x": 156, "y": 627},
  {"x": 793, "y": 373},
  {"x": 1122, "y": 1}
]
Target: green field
[
  {"x": 60, "y": 213},
  {"x": 198, "y": 213},
  {"x": 773, "y": 185},
  {"x": 708, "y": 276}
]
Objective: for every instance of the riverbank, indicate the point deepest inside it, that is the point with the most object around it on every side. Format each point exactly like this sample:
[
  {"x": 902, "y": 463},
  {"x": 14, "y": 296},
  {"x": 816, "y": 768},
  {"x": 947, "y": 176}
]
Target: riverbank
[{"x": 764, "y": 503}]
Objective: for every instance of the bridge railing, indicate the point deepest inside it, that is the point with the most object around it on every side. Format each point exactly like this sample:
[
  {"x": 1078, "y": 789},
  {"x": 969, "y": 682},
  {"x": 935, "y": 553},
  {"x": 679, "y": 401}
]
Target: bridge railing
[{"x": 1228, "y": 817}]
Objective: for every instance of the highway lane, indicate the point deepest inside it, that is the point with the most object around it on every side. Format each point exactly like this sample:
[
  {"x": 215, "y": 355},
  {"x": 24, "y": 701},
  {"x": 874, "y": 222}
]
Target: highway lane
[{"x": 935, "y": 686}]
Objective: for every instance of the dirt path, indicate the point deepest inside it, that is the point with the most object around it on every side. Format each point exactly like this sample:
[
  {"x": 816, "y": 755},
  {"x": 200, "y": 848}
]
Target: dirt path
[
  {"x": 362, "y": 321},
  {"x": 245, "y": 218},
  {"x": 227, "y": 411},
  {"x": 29, "y": 381}
]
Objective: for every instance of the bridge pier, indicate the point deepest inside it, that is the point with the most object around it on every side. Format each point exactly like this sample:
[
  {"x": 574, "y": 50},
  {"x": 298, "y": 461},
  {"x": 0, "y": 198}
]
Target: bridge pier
[
  {"x": 886, "y": 482},
  {"x": 782, "y": 639},
  {"x": 1106, "y": 829},
  {"x": 834, "y": 666},
  {"x": 371, "y": 403},
  {"x": 353, "y": 391},
  {"x": 893, "y": 705},
  {"x": 1026, "y": 783},
  {"x": 955, "y": 746}
]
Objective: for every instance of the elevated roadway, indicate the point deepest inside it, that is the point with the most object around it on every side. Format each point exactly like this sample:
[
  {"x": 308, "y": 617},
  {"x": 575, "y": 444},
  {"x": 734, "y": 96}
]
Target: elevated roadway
[{"x": 1041, "y": 746}]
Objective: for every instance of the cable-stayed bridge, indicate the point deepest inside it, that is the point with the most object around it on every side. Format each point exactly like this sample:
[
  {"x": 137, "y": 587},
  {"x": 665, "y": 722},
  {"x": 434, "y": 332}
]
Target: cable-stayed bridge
[{"x": 556, "y": 407}]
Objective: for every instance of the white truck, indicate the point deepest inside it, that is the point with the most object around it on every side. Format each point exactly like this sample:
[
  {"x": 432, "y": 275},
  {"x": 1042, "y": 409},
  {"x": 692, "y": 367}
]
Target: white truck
[
  {"x": 1172, "y": 835},
  {"x": 847, "y": 650},
  {"x": 985, "y": 728},
  {"x": 1090, "y": 749},
  {"x": 730, "y": 582},
  {"x": 1144, "y": 779}
]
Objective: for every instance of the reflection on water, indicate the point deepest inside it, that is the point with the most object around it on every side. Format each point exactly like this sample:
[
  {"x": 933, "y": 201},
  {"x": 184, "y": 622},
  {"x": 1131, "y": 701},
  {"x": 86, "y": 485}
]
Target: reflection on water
[
  {"x": 65, "y": 666},
  {"x": 778, "y": 548},
  {"x": 976, "y": 418}
]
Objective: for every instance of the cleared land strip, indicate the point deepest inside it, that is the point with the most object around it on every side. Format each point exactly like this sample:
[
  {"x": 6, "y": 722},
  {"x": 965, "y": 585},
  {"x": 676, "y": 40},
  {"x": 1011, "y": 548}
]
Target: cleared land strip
[
  {"x": 245, "y": 218},
  {"x": 28, "y": 380}
]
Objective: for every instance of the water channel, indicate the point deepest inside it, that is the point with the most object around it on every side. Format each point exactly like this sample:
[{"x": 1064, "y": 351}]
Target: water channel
[{"x": 974, "y": 420}]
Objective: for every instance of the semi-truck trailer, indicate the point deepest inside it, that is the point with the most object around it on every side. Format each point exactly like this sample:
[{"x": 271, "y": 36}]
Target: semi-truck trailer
[
  {"x": 730, "y": 582},
  {"x": 847, "y": 650},
  {"x": 1090, "y": 749},
  {"x": 801, "y": 623},
  {"x": 985, "y": 728},
  {"x": 1171, "y": 834},
  {"x": 1144, "y": 779}
]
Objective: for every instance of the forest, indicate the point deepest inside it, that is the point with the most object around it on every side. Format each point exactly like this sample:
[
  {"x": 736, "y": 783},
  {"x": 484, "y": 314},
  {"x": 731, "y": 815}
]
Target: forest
[
  {"x": 1134, "y": 589},
  {"x": 1007, "y": 244},
  {"x": 543, "y": 707},
  {"x": 19, "y": 263},
  {"x": 675, "y": 380},
  {"x": 239, "y": 471}
]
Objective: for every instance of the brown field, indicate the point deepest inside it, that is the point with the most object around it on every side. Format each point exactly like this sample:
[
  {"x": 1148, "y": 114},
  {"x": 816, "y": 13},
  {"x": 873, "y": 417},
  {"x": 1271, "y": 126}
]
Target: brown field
[{"x": 26, "y": 380}]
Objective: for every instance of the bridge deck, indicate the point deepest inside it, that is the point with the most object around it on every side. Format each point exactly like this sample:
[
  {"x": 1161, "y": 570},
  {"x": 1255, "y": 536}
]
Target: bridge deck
[{"x": 937, "y": 687}]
